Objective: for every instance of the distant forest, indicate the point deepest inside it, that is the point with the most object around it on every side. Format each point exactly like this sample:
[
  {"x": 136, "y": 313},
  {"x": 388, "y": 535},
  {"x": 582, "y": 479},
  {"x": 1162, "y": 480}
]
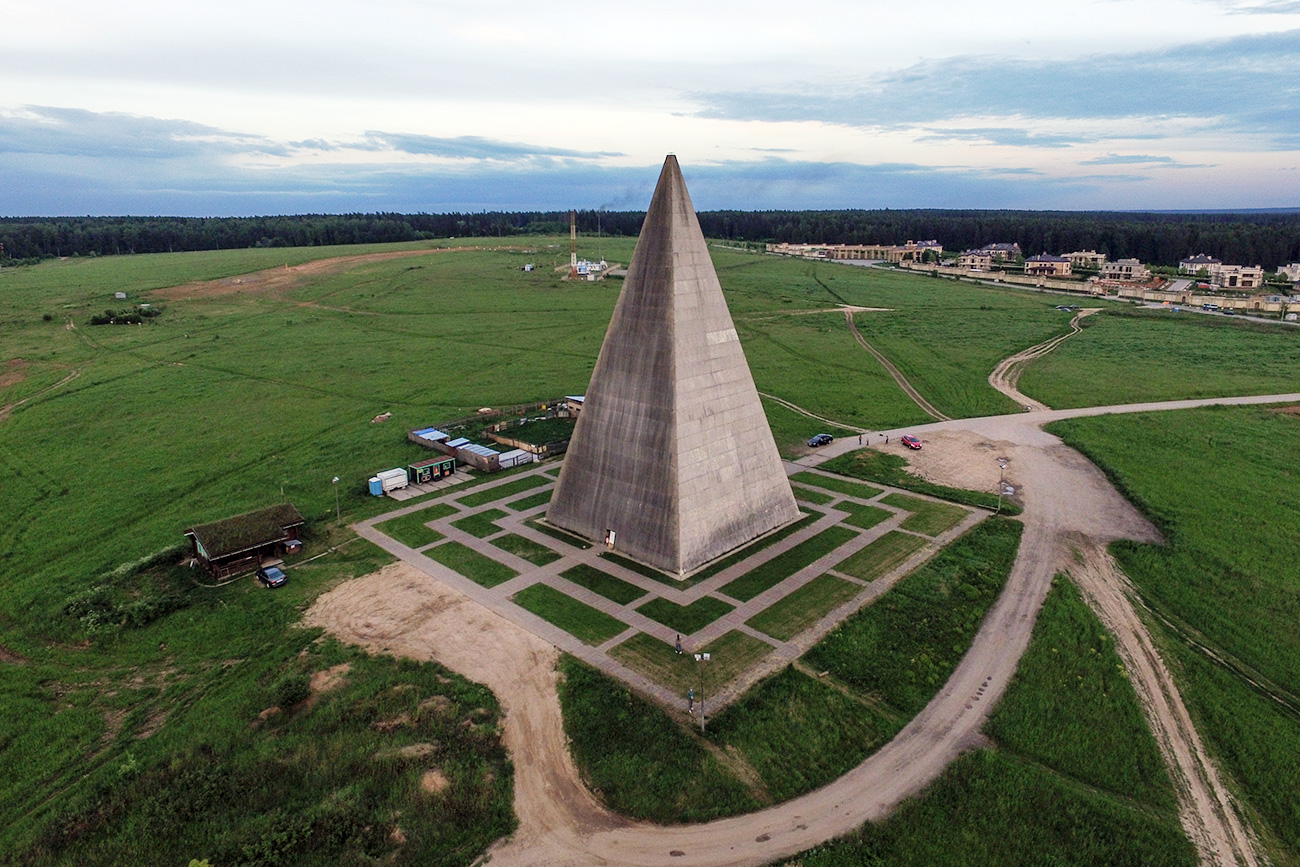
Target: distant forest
[{"x": 1269, "y": 239}]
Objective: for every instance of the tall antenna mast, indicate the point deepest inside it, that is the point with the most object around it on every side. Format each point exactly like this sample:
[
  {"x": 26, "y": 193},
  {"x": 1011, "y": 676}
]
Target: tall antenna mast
[{"x": 573, "y": 245}]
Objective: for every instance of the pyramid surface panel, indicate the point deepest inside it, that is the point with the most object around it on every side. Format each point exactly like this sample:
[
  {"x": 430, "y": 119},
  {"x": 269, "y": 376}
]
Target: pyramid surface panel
[{"x": 672, "y": 450}]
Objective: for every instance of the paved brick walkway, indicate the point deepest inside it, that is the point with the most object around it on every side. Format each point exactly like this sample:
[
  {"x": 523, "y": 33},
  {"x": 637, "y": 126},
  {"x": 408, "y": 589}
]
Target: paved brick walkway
[{"x": 498, "y": 598}]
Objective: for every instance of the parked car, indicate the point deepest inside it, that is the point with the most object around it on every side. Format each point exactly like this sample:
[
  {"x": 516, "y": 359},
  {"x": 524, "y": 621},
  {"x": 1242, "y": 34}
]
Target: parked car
[
  {"x": 272, "y": 576},
  {"x": 911, "y": 442},
  {"x": 821, "y": 440}
]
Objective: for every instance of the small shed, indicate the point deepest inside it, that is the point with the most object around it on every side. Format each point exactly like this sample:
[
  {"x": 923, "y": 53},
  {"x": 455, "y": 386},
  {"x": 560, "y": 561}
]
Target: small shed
[
  {"x": 238, "y": 544},
  {"x": 432, "y": 469},
  {"x": 514, "y": 458}
]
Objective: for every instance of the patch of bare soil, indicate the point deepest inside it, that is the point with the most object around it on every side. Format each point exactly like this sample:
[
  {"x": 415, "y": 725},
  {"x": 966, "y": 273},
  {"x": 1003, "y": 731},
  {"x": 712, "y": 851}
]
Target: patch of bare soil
[
  {"x": 418, "y": 751},
  {"x": 329, "y": 678},
  {"x": 1006, "y": 376},
  {"x": 276, "y": 280},
  {"x": 7, "y": 655},
  {"x": 434, "y": 781},
  {"x": 1288, "y": 410},
  {"x": 1205, "y": 806},
  {"x": 152, "y": 724},
  {"x": 954, "y": 458},
  {"x": 402, "y": 611},
  {"x": 14, "y": 372}
]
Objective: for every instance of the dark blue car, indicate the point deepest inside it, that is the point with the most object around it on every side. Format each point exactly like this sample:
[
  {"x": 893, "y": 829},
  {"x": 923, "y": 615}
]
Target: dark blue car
[
  {"x": 272, "y": 576},
  {"x": 821, "y": 440}
]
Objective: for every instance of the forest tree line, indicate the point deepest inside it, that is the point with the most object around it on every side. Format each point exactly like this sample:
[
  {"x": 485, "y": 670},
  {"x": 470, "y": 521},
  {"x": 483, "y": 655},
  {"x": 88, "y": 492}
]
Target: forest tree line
[{"x": 1269, "y": 239}]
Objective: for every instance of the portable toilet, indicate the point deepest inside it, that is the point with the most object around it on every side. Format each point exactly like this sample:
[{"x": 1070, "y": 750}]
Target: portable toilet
[{"x": 376, "y": 486}]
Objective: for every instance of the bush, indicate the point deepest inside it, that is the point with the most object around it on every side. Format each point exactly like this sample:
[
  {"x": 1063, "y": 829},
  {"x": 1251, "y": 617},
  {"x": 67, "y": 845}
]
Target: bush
[{"x": 291, "y": 689}]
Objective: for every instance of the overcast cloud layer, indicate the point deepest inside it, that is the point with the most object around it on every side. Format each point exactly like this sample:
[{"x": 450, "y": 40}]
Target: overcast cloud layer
[{"x": 411, "y": 105}]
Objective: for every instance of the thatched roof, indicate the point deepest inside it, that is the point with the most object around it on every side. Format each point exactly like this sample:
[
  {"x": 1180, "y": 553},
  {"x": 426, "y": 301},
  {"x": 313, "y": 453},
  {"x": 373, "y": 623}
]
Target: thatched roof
[{"x": 246, "y": 532}]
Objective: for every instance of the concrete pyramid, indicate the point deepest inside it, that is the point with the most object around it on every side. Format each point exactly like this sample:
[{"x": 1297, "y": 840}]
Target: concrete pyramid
[{"x": 672, "y": 450}]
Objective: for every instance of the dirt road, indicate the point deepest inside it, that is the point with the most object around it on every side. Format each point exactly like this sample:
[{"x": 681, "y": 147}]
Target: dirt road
[
  {"x": 897, "y": 374},
  {"x": 1205, "y": 807},
  {"x": 400, "y": 610},
  {"x": 1069, "y": 506},
  {"x": 1006, "y": 376}
]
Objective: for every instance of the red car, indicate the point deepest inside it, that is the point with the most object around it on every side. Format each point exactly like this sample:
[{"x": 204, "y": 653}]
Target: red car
[{"x": 911, "y": 442}]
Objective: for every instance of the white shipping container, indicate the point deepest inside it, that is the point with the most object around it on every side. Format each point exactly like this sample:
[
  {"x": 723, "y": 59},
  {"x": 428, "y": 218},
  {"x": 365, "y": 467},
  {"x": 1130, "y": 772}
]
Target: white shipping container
[
  {"x": 514, "y": 458},
  {"x": 393, "y": 479}
]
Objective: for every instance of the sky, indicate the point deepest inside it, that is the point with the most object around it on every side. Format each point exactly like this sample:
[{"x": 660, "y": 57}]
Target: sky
[{"x": 335, "y": 106}]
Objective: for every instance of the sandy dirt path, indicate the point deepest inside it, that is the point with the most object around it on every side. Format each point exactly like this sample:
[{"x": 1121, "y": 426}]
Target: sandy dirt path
[
  {"x": 1066, "y": 499},
  {"x": 1006, "y": 376},
  {"x": 401, "y": 611},
  {"x": 1205, "y": 806},
  {"x": 897, "y": 374},
  {"x": 1068, "y": 506}
]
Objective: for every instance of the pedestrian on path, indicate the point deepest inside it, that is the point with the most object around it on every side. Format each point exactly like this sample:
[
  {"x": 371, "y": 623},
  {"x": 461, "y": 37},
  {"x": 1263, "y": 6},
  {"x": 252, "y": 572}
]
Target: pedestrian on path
[
  {"x": 886, "y": 439},
  {"x": 859, "y": 439},
  {"x": 678, "y": 645}
]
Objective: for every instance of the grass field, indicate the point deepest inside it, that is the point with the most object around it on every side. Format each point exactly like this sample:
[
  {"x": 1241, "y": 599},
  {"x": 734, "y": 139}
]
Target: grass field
[
  {"x": 810, "y": 495},
  {"x": 579, "y": 619},
  {"x": 839, "y": 486},
  {"x": 613, "y": 589},
  {"x": 1130, "y": 356},
  {"x": 1220, "y": 484},
  {"x": 804, "y": 607},
  {"x": 882, "y": 556},
  {"x": 538, "y": 555},
  {"x": 782, "y": 566},
  {"x": 772, "y": 728},
  {"x": 903, "y": 647},
  {"x": 927, "y": 516},
  {"x": 410, "y": 528},
  {"x": 732, "y": 652},
  {"x": 532, "y": 501},
  {"x": 497, "y": 492},
  {"x": 660, "y": 771},
  {"x": 865, "y": 517},
  {"x": 794, "y": 732},
  {"x": 1075, "y": 777},
  {"x": 480, "y": 524},
  {"x": 470, "y": 563},
  {"x": 210, "y": 410},
  {"x": 686, "y": 619},
  {"x": 558, "y": 534}
]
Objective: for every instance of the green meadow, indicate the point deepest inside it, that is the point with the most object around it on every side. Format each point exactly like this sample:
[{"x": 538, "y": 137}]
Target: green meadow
[
  {"x": 132, "y": 697},
  {"x": 1220, "y": 483}
]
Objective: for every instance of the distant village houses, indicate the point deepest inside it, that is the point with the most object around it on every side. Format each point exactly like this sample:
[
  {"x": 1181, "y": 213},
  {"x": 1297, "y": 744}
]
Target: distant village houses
[
  {"x": 1199, "y": 262},
  {"x": 1046, "y": 265},
  {"x": 912, "y": 251},
  {"x": 1086, "y": 259},
  {"x": 1237, "y": 277},
  {"x": 1124, "y": 271},
  {"x": 1001, "y": 252}
]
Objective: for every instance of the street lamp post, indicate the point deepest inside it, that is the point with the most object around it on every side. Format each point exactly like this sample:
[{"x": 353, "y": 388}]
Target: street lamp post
[
  {"x": 1002, "y": 470},
  {"x": 335, "y": 483},
  {"x": 702, "y": 657}
]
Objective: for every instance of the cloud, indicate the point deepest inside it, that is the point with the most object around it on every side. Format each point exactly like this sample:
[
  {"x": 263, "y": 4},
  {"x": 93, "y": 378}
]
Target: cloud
[
  {"x": 1241, "y": 83},
  {"x": 472, "y": 147},
  {"x": 1269, "y": 7},
  {"x": 1008, "y": 136},
  {"x": 77, "y": 132},
  {"x": 1142, "y": 159}
]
